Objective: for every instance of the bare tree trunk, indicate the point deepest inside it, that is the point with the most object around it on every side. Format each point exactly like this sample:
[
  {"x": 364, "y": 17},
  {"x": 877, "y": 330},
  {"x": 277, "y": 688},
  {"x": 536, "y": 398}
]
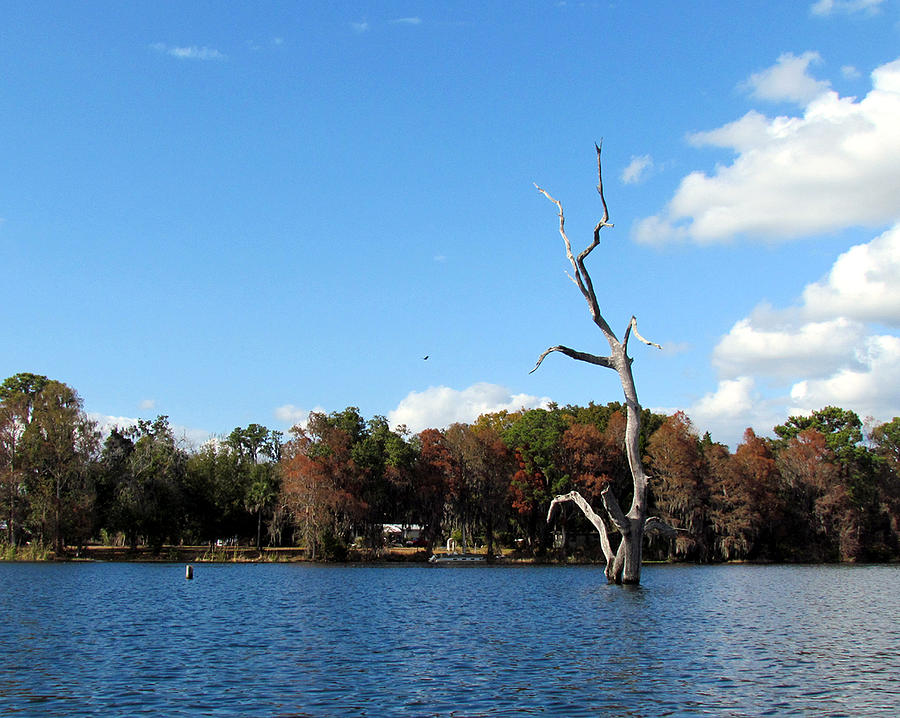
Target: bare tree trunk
[
  {"x": 259, "y": 529},
  {"x": 623, "y": 566}
]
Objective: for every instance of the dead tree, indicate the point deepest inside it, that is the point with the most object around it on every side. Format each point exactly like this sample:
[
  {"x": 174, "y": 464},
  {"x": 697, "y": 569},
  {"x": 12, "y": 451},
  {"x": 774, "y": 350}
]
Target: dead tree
[{"x": 624, "y": 564}]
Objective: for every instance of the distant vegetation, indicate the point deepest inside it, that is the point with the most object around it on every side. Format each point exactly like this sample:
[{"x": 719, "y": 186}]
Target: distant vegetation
[{"x": 820, "y": 491}]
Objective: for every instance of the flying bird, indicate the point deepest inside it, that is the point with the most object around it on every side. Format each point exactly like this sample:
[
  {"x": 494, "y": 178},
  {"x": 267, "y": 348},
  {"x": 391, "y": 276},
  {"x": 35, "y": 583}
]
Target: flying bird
[{"x": 425, "y": 358}]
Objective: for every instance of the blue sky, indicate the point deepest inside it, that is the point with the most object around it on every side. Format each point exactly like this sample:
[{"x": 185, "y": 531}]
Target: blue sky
[{"x": 240, "y": 213}]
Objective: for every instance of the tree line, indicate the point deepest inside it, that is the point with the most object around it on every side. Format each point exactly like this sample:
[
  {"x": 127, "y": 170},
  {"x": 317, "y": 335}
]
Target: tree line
[{"x": 823, "y": 489}]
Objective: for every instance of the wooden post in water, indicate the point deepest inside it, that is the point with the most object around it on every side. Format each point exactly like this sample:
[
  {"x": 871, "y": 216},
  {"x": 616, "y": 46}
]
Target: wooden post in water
[{"x": 189, "y": 572}]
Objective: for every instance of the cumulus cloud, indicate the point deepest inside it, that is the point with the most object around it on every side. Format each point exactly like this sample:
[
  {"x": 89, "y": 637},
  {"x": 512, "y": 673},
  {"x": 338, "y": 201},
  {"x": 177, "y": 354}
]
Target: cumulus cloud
[
  {"x": 829, "y": 7},
  {"x": 191, "y": 52},
  {"x": 813, "y": 348},
  {"x": 637, "y": 169},
  {"x": 730, "y": 409},
  {"x": 874, "y": 388},
  {"x": 787, "y": 80},
  {"x": 830, "y": 349},
  {"x": 440, "y": 406},
  {"x": 735, "y": 405},
  {"x": 863, "y": 284},
  {"x": 106, "y": 423},
  {"x": 732, "y": 398},
  {"x": 832, "y": 167}
]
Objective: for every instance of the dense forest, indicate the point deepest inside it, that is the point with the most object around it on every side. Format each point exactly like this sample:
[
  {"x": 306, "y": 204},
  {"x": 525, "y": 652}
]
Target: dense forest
[{"x": 822, "y": 490}]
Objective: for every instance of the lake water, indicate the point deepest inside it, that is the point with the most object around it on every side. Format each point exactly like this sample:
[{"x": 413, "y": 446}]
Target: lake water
[{"x": 304, "y": 640}]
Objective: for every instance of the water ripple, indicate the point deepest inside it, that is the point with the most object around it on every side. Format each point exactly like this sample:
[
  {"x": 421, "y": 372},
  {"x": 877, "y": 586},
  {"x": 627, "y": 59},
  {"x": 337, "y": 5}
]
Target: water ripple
[{"x": 298, "y": 640}]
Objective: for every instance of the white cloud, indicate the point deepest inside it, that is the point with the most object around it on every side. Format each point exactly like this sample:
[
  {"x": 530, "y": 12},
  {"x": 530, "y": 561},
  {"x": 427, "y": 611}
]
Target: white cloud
[
  {"x": 407, "y": 21},
  {"x": 732, "y": 398},
  {"x": 106, "y": 423},
  {"x": 829, "y": 7},
  {"x": 810, "y": 349},
  {"x": 727, "y": 412},
  {"x": 832, "y": 167},
  {"x": 735, "y": 405},
  {"x": 188, "y": 53},
  {"x": 147, "y": 404},
  {"x": 787, "y": 80},
  {"x": 850, "y": 73},
  {"x": 863, "y": 284},
  {"x": 828, "y": 350},
  {"x": 440, "y": 406},
  {"x": 873, "y": 390},
  {"x": 360, "y": 27},
  {"x": 637, "y": 169}
]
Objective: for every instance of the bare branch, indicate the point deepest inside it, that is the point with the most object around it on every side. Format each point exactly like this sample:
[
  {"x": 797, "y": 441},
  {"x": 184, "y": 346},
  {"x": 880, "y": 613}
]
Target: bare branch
[
  {"x": 611, "y": 504},
  {"x": 562, "y": 221},
  {"x": 603, "y": 220},
  {"x": 585, "y": 507},
  {"x": 574, "y": 354},
  {"x": 632, "y": 325},
  {"x": 655, "y": 525},
  {"x": 582, "y": 278}
]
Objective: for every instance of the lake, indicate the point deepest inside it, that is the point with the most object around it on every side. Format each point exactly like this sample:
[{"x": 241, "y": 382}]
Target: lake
[{"x": 304, "y": 640}]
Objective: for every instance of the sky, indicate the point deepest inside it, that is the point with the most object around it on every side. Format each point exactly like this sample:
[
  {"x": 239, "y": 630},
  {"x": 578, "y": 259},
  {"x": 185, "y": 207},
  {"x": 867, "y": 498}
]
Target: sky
[{"x": 241, "y": 213}]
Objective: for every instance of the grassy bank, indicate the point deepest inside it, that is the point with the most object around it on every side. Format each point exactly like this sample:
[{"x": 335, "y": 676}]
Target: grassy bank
[{"x": 236, "y": 554}]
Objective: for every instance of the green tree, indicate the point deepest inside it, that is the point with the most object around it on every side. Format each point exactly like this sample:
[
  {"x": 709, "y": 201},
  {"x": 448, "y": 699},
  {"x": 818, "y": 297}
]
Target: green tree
[
  {"x": 150, "y": 499},
  {"x": 848, "y": 506},
  {"x": 384, "y": 459},
  {"x": 885, "y": 440},
  {"x": 535, "y": 439},
  {"x": 17, "y": 394},
  {"x": 214, "y": 492},
  {"x": 258, "y": 451},
  {"x": 60, "y": 445}
]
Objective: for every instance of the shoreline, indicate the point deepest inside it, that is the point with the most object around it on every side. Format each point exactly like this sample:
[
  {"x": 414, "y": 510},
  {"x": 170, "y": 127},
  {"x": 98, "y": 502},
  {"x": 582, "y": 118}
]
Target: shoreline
[{"x": 393, "y": 555}]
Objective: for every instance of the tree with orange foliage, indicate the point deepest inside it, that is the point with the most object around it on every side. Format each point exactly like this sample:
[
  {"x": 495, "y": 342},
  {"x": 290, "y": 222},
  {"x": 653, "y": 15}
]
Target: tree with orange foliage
[
  {"x": 674, "y": 456},
  {"x": 812, "y": 479},
  {"x": 307, "y": 490},
  {"x": 744, "y": 511},
  {"x": 431, "y": 477},
  {"x": 480, "y": 482}
]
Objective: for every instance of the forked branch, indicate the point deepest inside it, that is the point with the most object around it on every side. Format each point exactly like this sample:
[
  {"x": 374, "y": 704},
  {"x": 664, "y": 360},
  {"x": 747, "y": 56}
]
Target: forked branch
[
  {"x": 632, "y": 326},
  {"x": 582, "y": 278},
  {"x": 655, "y": 525},
  {"x": 611, "y": 504},
  {"x": 591, "y": 515}
]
